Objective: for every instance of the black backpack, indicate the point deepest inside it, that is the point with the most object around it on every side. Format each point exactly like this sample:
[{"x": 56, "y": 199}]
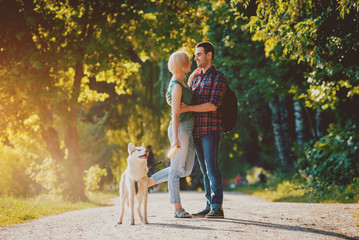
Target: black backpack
[{"x": 228, "y": 109}]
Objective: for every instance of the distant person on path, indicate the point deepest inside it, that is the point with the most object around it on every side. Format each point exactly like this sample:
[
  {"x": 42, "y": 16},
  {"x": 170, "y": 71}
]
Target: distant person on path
[
  {"x": 238, "y": 180},
  {"x": 179, "y": 132},
  {"x": 262, "y": 177},
  {"x": 208, "y": 86}
]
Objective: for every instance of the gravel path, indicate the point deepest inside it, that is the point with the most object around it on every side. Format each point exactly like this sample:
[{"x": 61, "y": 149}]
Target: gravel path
[{"x": 246, "y": 217}]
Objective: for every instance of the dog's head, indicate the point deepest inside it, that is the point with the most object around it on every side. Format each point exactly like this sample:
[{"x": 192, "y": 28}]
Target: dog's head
[{"x": 138, "y": 152}]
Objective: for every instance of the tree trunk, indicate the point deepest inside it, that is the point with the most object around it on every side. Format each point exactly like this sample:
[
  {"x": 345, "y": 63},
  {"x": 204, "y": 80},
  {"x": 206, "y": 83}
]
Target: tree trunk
[
  {"x": 151, "y": 84},
  {"x": 73, "y": 163},
  {"x": 49, "y": 133},
  {"x": 282, "y": 139},
  {"x": 164, "y": 77},
  {"x": 318, "y": 123},
  {"x": 299, "y": 123}
]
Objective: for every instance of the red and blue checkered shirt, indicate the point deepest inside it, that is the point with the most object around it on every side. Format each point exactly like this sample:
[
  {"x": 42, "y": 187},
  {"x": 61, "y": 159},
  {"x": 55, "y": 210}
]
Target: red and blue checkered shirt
[{"x": 204, "y": 90}]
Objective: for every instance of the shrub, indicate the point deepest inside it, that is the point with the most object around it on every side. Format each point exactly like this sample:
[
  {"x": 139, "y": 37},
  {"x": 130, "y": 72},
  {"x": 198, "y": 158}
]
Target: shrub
[
  {"x": 50, "y": 175},
  {"x": 93, "y": 177},
  {"x": 333, "y": 160},
  {"x": 13, "y": 164}
]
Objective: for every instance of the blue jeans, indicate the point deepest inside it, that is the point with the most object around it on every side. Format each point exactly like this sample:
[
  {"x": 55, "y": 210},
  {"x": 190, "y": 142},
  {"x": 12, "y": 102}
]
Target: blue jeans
[
  {"x": 181, "y": 163},
  {"x": 207, "y": 149}
]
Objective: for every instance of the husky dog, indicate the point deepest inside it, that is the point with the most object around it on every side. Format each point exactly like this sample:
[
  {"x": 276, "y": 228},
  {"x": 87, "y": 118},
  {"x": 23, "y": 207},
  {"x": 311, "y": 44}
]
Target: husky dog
[{"x": 134, "y": 183}]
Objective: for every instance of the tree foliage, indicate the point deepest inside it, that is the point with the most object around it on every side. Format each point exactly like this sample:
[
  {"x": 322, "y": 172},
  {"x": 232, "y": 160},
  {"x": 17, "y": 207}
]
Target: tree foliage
[
  {"x": 322, "y": 34},
  {"x": 80, "y": 79},
  {"x": 52, "y": 51},
  {"x": 333, "y": 159}
]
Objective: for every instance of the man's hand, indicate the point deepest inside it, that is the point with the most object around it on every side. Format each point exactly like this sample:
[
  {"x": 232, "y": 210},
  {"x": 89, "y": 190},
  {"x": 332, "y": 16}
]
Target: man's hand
[{"x": 183, "y": 107}]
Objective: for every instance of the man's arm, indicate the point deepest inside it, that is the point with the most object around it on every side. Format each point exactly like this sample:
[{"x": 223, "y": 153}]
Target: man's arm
[
  {"x": 217, "y": 92},
  {"x": 204, "y": 107}
]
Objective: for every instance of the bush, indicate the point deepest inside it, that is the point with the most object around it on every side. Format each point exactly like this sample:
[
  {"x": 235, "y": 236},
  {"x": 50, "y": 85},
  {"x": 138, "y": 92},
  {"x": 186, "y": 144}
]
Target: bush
[
  {"x": 93, "y": 177},
  {"x": 13, "y": 164},
  {"x": 332, "y": 162},
  {"x": 252, "y": 175},
  {"x": 50, "y": 175}
]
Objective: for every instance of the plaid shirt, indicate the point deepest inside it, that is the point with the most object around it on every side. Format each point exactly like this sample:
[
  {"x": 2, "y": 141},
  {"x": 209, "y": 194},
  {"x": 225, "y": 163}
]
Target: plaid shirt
[{"x": 207, "y": 122}]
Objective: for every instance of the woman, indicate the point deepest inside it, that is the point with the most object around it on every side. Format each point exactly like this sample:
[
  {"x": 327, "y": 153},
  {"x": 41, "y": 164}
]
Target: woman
[{"x": 179, "y": 132}]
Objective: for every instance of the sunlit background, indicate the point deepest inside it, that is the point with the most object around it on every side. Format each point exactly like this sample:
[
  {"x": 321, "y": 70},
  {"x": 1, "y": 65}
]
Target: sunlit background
[{"x": 81, "y": 79}]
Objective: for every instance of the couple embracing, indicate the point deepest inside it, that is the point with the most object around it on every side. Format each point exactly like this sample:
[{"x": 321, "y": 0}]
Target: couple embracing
[{"x": 195, "y": 128}]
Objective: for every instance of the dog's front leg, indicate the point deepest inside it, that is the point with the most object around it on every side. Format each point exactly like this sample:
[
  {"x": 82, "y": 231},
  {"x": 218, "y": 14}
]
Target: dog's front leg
[
  {"x": 145, "y": 207},
  {"x": 145, "y": 196},
  {"x": 139, "y": 204},
  {"x": 132, "y": 203},
  {"x": 123, "y": 198}
]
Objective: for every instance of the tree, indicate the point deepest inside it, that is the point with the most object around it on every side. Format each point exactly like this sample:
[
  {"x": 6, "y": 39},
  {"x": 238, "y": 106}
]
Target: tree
[
  {"x": 58, "y": 48},
  {"x": 322, "y": 34},
  {"x": 261, "y": 85}
]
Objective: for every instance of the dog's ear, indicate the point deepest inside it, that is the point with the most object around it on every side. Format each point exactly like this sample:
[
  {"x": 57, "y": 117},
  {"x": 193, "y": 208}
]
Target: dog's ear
[
  {"x": 143, "y": 145},
  {"x": 130, "y": 148}
]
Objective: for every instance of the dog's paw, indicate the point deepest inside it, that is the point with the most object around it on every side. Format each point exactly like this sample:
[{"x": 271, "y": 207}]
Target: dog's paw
[{"x": 144, "y": 222}]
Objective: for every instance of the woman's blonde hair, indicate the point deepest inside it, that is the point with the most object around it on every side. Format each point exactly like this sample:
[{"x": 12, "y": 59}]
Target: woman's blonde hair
[{"x": 177, "y": 61}]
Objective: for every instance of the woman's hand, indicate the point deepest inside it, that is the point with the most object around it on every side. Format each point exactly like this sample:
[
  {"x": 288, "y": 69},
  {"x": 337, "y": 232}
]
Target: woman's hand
[
  {"x": 176, "y": 143},
  {"x": 193, "y": 74}
]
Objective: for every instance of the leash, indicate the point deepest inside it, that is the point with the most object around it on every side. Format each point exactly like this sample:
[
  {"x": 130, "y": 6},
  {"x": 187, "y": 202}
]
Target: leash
[
  {"x": 157, "y": 163},
  {"x": 170, "y": 155}
]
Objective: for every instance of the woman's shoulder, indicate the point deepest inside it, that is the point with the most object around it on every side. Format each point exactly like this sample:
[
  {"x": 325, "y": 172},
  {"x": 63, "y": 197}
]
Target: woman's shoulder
[
  {"x": 175, "y": 82},
  {"x": 175, "y": 85}
]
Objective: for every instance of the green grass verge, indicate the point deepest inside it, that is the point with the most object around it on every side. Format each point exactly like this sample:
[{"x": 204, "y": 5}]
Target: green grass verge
[
  {"x": 289, "y": 191},
  {"x": 19, "y": 210},
  {"x": 357, "y": 217}
]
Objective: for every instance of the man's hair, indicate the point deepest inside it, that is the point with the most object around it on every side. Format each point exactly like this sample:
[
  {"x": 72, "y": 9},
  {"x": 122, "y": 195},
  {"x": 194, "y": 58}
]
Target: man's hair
[{"x": 208, "y": 47}]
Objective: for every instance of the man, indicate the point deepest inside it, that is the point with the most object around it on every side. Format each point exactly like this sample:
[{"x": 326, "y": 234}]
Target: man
[{"x": 208, "y": 86}]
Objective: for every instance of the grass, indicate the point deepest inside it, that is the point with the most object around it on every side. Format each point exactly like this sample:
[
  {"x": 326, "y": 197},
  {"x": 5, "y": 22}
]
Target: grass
[
  {"x": 20, "y": 210},
  {"x": 357, "y": 216},
  {"x": 296, "y": 188},
  {"x": 273, "y": 194},
  {"x": 289, "y": 191}
]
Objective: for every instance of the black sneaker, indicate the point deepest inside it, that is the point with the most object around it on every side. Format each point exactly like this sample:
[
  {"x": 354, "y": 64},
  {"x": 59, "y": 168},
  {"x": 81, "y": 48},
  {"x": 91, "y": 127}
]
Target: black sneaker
[
  {"x": 201, "y": 214},
  {"x": 218, "y": 213}
]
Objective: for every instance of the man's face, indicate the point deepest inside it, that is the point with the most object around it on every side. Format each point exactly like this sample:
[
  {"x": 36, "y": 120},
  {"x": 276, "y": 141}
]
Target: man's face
[{"x": 201, "y": 57}]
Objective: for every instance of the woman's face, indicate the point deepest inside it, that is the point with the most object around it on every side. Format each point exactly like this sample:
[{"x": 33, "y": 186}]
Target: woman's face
[{"x": 187, "y": 68}]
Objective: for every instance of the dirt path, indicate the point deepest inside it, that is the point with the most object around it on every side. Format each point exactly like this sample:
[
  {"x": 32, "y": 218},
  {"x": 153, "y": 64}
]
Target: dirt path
[{"x": 246, "y": 217}]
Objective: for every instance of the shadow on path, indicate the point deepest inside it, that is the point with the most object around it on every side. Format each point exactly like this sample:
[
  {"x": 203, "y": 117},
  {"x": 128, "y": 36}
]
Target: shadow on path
[
  {"x": 180, "y": 226},
  {"x": 285, "y": 227}
]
